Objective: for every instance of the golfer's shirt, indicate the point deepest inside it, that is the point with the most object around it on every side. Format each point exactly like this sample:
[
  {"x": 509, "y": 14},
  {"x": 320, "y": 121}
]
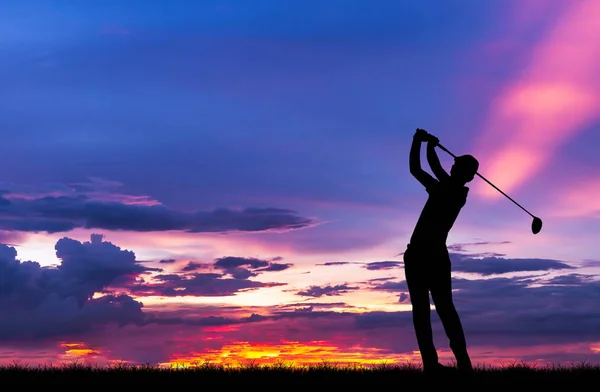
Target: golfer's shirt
[{"x": 439, "y": 213}]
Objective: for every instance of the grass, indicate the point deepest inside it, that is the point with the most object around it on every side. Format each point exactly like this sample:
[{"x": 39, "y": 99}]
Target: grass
[{"x": 324, "y": 376}]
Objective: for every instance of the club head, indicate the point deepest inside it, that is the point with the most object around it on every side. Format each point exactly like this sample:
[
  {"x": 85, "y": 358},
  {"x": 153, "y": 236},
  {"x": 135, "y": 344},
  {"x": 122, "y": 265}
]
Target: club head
[{"x": 536, "y": 225}]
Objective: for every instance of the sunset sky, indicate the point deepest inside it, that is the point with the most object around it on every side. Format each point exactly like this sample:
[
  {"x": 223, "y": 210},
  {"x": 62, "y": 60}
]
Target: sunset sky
[{"x": 228, "y": 180}]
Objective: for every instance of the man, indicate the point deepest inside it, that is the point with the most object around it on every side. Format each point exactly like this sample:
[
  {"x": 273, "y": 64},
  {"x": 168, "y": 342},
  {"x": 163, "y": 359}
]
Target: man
[{"x": 426, "y": 260}]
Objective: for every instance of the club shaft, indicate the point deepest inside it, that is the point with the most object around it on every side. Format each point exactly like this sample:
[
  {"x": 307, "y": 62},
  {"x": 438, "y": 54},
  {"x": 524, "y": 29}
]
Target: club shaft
[{"x": 486, "y": 180}]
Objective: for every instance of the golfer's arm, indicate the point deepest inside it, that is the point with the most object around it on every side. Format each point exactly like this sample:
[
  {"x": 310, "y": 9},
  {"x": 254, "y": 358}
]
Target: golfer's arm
[
  {"x": 434, "y": 163},
  {"x": 415, "y": 165}
]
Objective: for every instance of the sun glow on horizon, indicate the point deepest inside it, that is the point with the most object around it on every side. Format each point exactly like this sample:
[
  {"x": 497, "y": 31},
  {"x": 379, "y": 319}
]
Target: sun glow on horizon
[{"x": 290, "y": 353}]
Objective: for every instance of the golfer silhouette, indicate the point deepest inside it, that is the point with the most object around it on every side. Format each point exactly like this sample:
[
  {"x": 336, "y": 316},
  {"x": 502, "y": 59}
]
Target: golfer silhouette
[{"x": 426, "y": 259}]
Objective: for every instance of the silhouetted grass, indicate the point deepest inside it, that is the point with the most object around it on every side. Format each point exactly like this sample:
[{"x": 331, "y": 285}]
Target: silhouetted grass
[{"x": 319, "y": 377}]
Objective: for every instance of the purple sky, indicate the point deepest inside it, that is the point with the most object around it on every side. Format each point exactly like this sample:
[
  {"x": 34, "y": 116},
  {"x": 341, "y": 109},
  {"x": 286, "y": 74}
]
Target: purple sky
[{"x": 247, "y": 165}]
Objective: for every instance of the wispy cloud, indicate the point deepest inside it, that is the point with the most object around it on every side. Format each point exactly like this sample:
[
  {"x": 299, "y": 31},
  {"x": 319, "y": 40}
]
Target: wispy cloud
[
  {"x": 487, "y": 266},
  {"x": 383, "y": 265},
  {"x": 328, "y": 291},
  {"x": 549, "y": 103}
]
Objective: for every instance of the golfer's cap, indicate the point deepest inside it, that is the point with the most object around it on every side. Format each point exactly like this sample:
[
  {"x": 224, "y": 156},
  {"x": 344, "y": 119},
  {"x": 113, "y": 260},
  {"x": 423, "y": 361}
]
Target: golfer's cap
[{"x": 468, "y": 160}]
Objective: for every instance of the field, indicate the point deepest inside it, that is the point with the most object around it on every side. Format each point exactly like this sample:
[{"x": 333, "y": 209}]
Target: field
[{"x": 282, "y": 376}]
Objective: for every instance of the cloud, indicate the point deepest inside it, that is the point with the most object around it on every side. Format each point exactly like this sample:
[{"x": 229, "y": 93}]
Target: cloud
[
  {"x": 55, "y": 214},
  {"x": 383, "y": 265},
  {"x": 503, "y": 306},
  {"x": 521, "y": 311},
  {"x": 275, "y": 267},
  {"x": 462, "y": 247},
  {"x": 230, "y": 262},
  {"x": 498, "y": 314},
  {"x": 391, "y": 286},
  {"x": 193, "y": 266},
  {"x": 199, "y": 285},
  {"x": 241, "y": 273},
  {"x": 379, "y": 279},
  {"x": 41, "y": 302},
  {"x": 89, "y": 267},
  {"x": 206, "y": 321},
  {"x": 332, "y": 263},
  {"x": 553, "y": 99},
  {"x": 495, "y": 265},
  {"x": 319, "y": 291},
  {"x": 310, "y": 306},
  {"x": 571, "y": 280},
  {"x": 3, "y": 201},
  {"x": 233, "y": 265},
  {"x": 167, "y": 261},
  {"x": 230, "y": 276}
]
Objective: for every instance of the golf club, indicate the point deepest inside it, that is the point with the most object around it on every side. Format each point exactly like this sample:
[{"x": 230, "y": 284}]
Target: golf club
[{"x": 536, "y": 225}]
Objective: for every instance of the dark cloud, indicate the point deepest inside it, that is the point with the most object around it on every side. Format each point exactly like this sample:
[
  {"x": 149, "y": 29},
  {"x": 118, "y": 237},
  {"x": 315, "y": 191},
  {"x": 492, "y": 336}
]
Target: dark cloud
[
  {"x": 571, "y": 279},
  {"x": 167, "y": 261},
  {"x": 193, "y": 266},
  {"x": 391, "y": 286},
  {"x": 241, "y": 273},
  {"x": 209, "y": 321},
  {"x": 383, "y": 265},
  {"x": 462, "y": 247},
  {"x": 380, "y": 279},
  {"x": 275, "y": 267},
  {"x": 3, "y": 201},
  {"x": 199, "y": 284},
  {"x": 330, "y": 263},
  {"x": 319, "y": 291},
  {"x": 64, "y": 213},
  {"x": 590, "y": 263},
  {"x": 235, "y": 262},
  {"x": 40, "y": 302},
  {"x": 372, "y": 320},
  {"x": 230, "y": 277},
  {"x": 253, "y": 266},
  {"x": 495, "y": 265},
  {"x": 519, "y": 309},
  {"x": 314, "y": 305},
  {"x": 57, "y": 317},
  {"x": 529, "y": 308}
]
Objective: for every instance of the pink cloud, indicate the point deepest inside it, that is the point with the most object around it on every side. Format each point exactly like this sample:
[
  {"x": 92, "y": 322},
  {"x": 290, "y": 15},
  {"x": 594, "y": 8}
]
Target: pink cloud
[{"x": 554, "y": 98}]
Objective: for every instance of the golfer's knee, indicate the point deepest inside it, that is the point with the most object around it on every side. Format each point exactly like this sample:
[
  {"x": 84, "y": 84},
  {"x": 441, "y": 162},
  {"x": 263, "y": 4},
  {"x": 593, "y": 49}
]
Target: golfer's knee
[
  {"x": 421, "y": 310},
  {"x": 446, "y": 309}
]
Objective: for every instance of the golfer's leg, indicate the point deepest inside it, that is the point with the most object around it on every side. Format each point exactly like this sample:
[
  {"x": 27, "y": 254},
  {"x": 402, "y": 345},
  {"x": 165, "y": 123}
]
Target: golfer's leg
[
  {"x": 421, "y": 313},
  {"x": 441, "y": 293}
]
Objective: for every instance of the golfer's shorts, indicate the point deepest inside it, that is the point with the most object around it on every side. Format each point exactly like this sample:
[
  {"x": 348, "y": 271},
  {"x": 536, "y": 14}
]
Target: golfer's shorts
[{"x": 427, "y": 254}]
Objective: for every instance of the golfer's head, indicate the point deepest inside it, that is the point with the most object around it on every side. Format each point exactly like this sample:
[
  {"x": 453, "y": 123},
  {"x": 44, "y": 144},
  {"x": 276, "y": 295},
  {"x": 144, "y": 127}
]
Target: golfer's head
[{"x": 464, "y": 169}]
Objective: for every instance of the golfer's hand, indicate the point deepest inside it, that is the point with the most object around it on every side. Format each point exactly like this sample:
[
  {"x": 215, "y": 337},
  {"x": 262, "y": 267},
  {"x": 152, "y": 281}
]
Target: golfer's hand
[
  {"x": 421, "y": 135},
  {"x": 434, "y": 141}
]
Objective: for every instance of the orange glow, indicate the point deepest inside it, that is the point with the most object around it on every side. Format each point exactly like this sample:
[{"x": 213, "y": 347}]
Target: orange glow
[
  {"x": 223, "y": 328},
  {"x": 78, "y": 350},
  {"x": 295, "y": 353}
]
